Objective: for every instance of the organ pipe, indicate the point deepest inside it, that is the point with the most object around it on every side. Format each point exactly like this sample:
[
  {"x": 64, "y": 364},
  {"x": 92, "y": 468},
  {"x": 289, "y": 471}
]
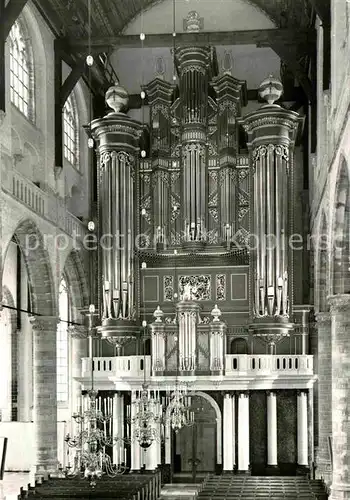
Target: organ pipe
[
  {"x": 117, "y": 139},
  {"x": 272, "y": 133}
]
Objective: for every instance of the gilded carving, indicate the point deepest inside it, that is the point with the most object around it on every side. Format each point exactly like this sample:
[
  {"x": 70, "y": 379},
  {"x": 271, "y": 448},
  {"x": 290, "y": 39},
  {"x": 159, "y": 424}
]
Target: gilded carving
[
  {"x": 168, "y": 288},
  {"x": 200, "y": 286},
  {"x": 220, "y": 287}
]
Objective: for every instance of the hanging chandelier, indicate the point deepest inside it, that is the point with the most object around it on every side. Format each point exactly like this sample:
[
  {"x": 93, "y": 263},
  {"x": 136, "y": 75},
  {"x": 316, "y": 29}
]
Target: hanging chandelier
[
  {"x": 146, "y": 417},
  {"x": 178, "y": 413},
  {"x": 95, "y": 433}
]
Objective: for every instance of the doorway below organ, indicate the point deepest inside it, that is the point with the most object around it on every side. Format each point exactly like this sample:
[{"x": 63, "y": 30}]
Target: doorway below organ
[{"x": 194, "y": 446}]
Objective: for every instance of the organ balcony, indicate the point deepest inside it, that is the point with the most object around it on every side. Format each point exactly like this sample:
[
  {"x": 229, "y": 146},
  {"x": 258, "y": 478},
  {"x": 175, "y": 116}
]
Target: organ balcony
[{"x": 241, "y": 371}]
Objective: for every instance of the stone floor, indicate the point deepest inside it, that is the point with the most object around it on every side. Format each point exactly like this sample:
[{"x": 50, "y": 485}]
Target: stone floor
[{"x": 12, "y": 483}]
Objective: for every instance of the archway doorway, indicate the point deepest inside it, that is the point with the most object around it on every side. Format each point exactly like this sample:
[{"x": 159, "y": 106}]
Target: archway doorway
[{"x": 195, "y": 446}]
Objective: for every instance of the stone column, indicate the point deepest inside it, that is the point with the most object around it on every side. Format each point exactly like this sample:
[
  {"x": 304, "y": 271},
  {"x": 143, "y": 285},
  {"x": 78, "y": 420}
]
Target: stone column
[
  {"x": 135, "y": 447},
  {"x": 45, "y": 394},
  {"x": 302, "y": 429},
  {"x": 271, "y": 429},
  {"x": 118, "y": 428},
  {"x": 340, "y": 314},
  {"x": 228, "y": 434},
  {"x": 324, "y": 372},
  {"x": 152, "y": 456},
  {"x": 78, "y": 350},
  {"x": 243, "y": 433}
]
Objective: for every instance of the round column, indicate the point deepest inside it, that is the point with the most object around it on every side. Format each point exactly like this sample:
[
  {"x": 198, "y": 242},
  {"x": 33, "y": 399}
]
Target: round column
[
  {"x": 228, "y": 434},
  {"x": 243, "y": 433},
  {"x": 135, "y": 447},
  {"x": 324, "y": 388},
  {"x": 340, "y": 316},
  {"x": 78, "y": 351},
  {"x": 271, "y": 429},
  {"x": 118, "y": 428},
  {"x": 302, "y": 429},
  {"x": 45, "y": 394}
]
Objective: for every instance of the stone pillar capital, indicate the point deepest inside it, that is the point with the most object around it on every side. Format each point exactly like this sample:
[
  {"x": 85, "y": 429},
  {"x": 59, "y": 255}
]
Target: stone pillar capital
[
  {"x": 43, "y": 323},
  {"x": 339, "y": 303},
  {"x": 323, "y": 318},
  {"x": 78, "y": 332}
]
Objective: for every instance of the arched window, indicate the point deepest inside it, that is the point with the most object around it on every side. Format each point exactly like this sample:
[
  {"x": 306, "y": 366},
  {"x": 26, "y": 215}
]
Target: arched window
[
  {"x": 62, "y": 343},
  {"x": 70, "y": 131},
  {"x": 21, "y": 71}
]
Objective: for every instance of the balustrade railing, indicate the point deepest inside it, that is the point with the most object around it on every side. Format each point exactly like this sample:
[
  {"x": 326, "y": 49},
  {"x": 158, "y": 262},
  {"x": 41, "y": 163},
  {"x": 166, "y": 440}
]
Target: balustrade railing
[
  {"x": 235, "y": 366},
  {"x": 43, "y": 204},
  {"x": 264, "y": 364},
  {"x": 121, "y": 366}
]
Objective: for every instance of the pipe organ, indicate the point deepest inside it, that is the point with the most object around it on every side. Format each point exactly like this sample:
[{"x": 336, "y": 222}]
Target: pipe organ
[
  {"x": 272, "y": 132},
  {"x": 196, "y": 192},
  {"x": 117, "y": 137}
]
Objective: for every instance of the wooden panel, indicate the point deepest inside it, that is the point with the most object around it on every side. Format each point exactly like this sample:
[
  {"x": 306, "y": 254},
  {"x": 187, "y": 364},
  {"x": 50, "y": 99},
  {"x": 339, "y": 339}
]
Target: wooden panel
[
  {"x": 258, "y": 427},
  {"x": 287, "y": 427},
  {"x": 151, "y": 289},
  {"x": 239, "y": 286}
]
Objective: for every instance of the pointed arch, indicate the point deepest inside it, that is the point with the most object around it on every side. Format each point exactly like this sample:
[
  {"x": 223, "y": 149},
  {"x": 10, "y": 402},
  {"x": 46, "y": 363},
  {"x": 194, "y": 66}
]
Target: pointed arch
[
  {"x": 36, "y": 258},
  {"x": 322, "y": 262},
  {"x": 77, "y": 282},
  {"x": 340, "y": 272},
  {"x": 8, "y": 358}
]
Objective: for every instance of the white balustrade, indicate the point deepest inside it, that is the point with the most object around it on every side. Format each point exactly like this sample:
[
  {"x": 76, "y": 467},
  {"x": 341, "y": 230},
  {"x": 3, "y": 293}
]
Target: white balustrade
[
  {"x": 29, "y": 194},
  {"x": 265, "y": 364},
  {"x": 121, "y": 366},
  {"x": 43, "y": 204}
]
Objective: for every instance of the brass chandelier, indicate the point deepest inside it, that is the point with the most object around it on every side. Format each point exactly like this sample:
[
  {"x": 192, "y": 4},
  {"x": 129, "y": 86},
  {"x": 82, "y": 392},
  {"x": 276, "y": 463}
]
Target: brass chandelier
[{"x": 94, "y": 436}]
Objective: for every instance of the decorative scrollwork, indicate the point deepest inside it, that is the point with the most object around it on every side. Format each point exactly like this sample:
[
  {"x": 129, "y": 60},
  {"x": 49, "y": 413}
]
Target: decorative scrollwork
[
  {"x": 198, "y": 148},
  {"x": 160, "y": 108},
  {"x": 168, "y": 288},
  {"x": 228, "y": 105},
  {"x": 200, "y": 286},
  {"x": 220, "y": 287}
]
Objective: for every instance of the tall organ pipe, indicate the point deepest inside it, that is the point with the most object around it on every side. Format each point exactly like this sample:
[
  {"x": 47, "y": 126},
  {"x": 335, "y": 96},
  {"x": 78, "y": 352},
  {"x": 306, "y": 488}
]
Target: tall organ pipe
[
  {"x": 271, "y": 140},
  {"x": 117, "y": 138}
]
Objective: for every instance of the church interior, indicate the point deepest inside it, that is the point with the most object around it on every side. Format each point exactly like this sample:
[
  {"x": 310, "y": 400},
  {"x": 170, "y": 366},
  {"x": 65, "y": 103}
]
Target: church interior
[{"x": 175, "y": 249}]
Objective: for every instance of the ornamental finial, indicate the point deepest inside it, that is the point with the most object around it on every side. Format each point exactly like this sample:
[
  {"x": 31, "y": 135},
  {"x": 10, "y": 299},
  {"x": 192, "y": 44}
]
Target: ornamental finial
[
  {"x": 117, "y": 98},
  {"x": 193, "y": 23},
  {"x": 216, "y": 313},
  {"x": 271, "y": 89},
  {"x": 158, "y": 314}
]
